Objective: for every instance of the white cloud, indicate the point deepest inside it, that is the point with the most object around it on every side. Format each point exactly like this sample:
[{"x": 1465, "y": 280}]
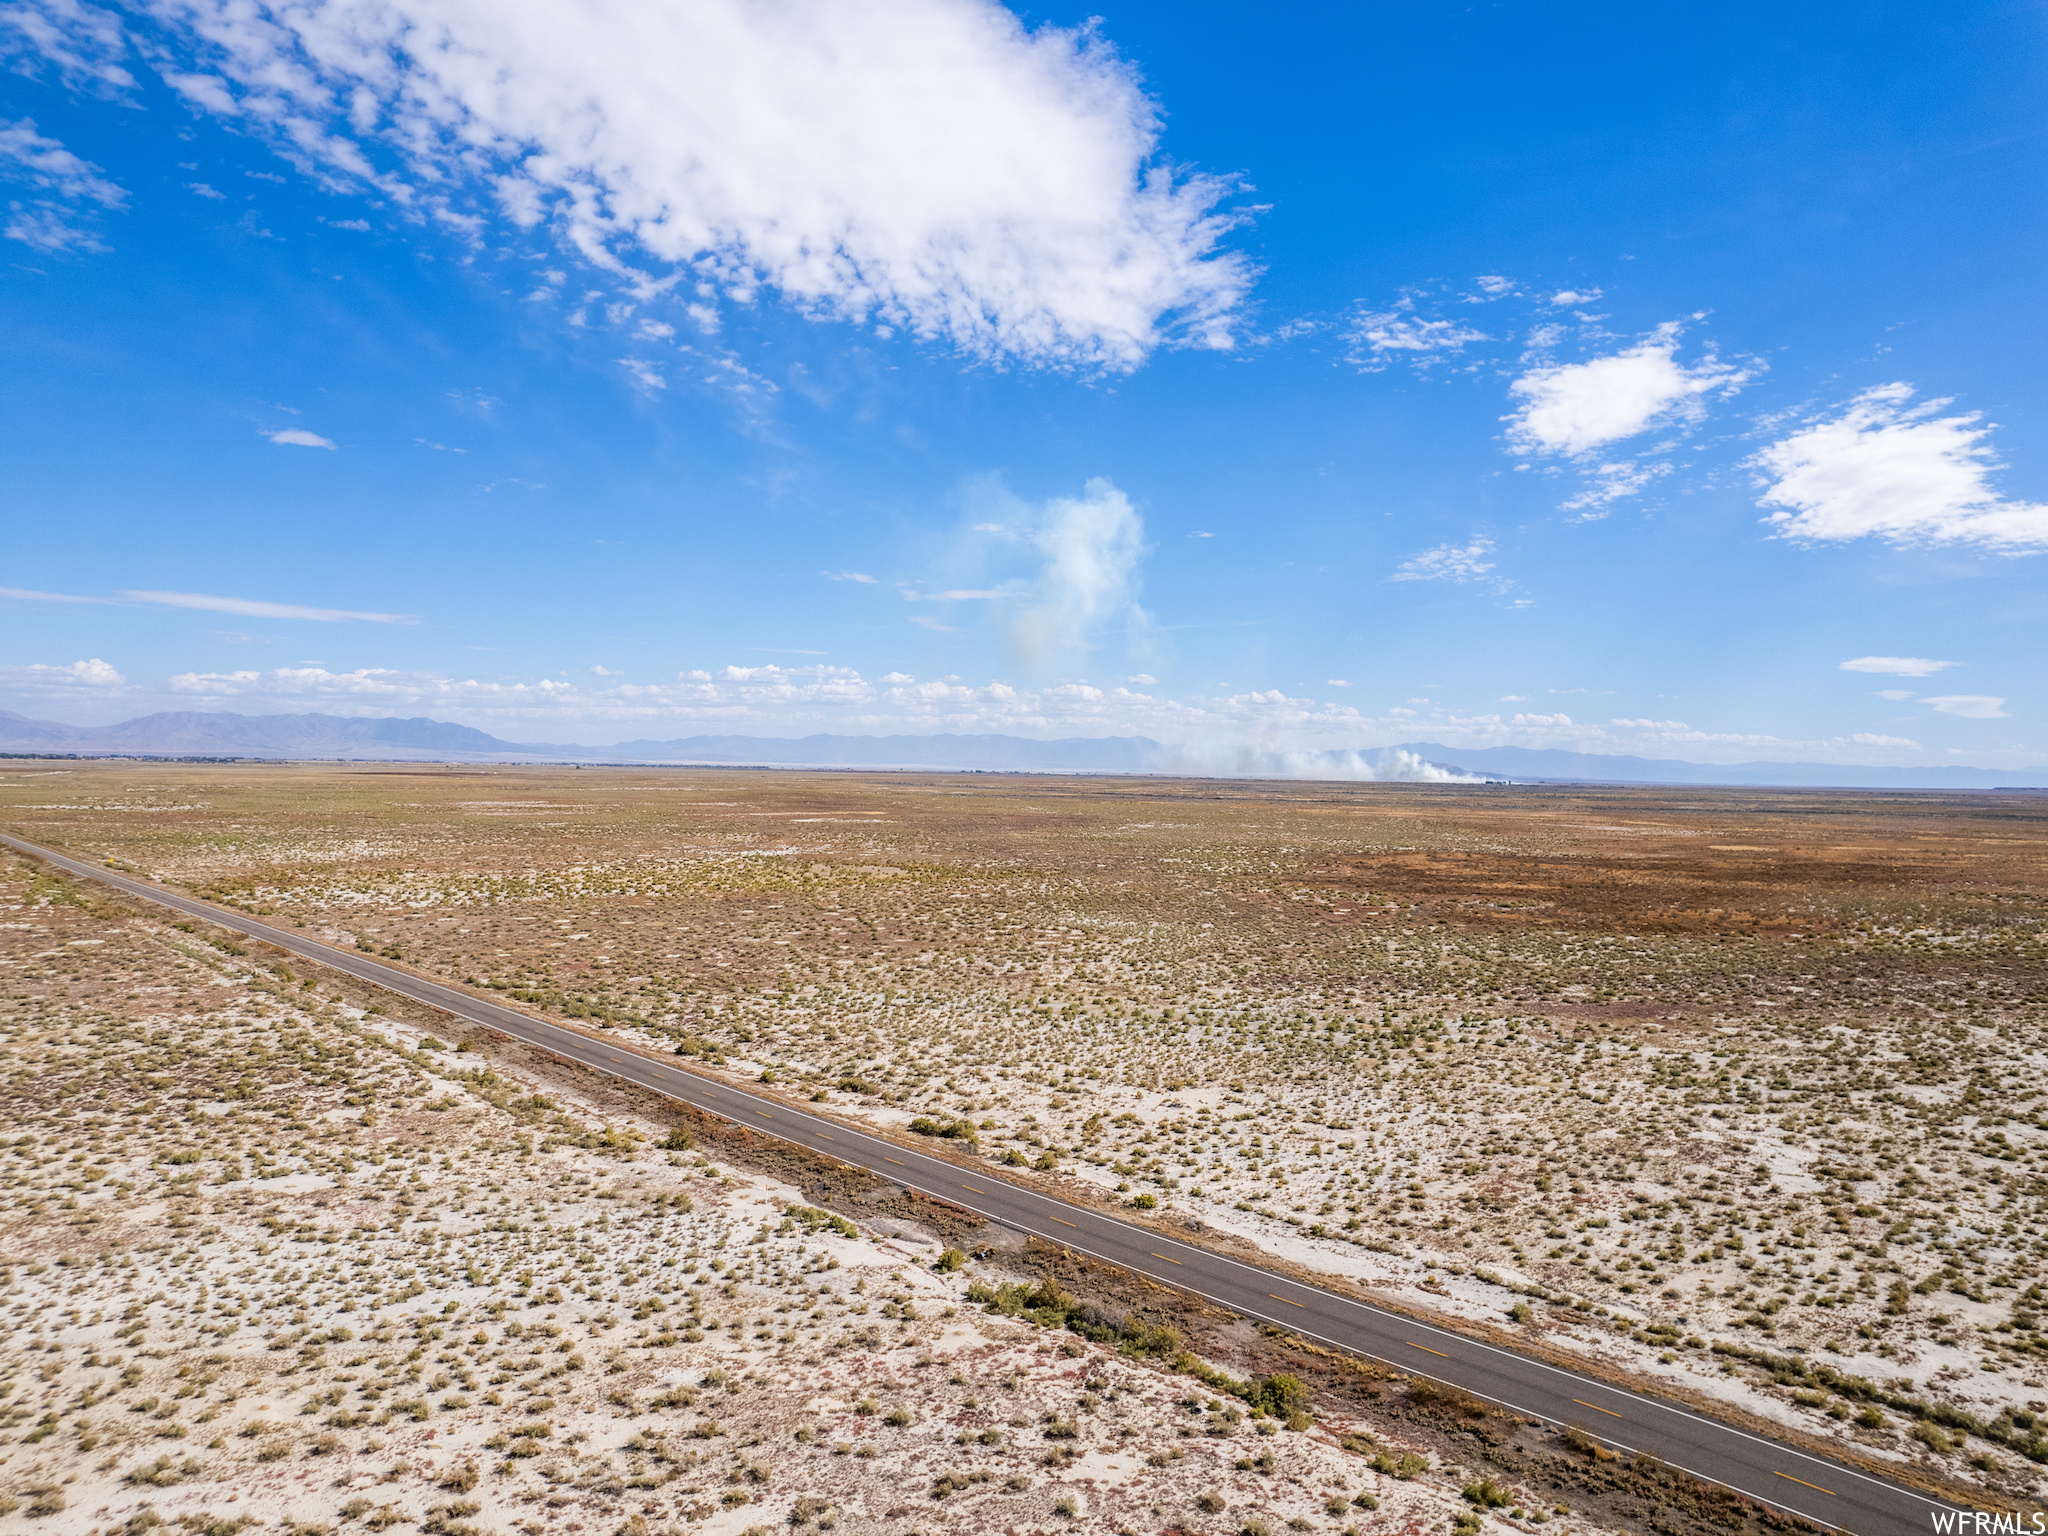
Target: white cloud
[
  {"x": 1379, "y": 338},
  {"x": 1092, "y": 544},
  {"x": 1610, "y": 483},
  {"x": 1568, "y": 296},
  {"x": 1970, "y": 706},
  {"x": 1574, "y": 408},
  {"x": 1495, "y": 287},
  {"x": 1143, "y": 677},
  {"x": 23, "y": 594},
  {"x": 930, "y": 165},
  {"x": 254, "y": 608},
  {"x": 85, "y": 43},
  {"x": 1896, "y": 666},
  {"x": 1899, "y": 472},
  {"x": 39, "y": 678},
  {"x": 1894, "y": 694},
  {"x": 1448, "y": 562},
  {"x": 645, "y": 374},
  {"x": 774, "y": 700},
  {"x": 50, "y": 228},
  {"x": 63, "y": 220},
  {"x": 860, "y": 576},
  {"x": 299, "y": 437},
  {"x": 46, "y": 164},
  {"x": 1336, "y": 682}
]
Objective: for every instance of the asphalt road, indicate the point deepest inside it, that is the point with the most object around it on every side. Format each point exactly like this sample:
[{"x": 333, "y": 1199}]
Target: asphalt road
[{"x": 1824, "y": 1491}]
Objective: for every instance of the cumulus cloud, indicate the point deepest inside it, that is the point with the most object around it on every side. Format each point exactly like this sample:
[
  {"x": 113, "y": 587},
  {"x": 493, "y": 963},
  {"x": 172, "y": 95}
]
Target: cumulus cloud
[
  {"x": 1571, "y": 409},
  {"x": 1092, "y": 545},
  {"x": 932, "y": 166},
  {"x": 1903, "y": 473},
  {"x": 788, "y": 701},
  {"x": 37, "y": 677},
  {"x": 299, "y": 437},
  {"x": 1448, "y": 562},
  {"x": 62, "y": 220},
  {"x": 1896, "y": 666},
  {"x": 254, "y": 608},
  {"x": 1970, "y": 706}
]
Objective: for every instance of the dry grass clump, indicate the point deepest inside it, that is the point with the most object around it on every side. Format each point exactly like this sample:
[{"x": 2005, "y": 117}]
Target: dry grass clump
[{"x": 1738, "y": 1089}]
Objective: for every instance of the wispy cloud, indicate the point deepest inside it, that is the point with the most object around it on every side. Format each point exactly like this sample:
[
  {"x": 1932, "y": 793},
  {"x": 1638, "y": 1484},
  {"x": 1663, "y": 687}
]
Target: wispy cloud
[
  {"x": 860, "y": 576},
  {"x": 23, "y": 594},
  {"x": 1896, "y": 666},
  {"x": 1609, "y": 483},
  {"x": 1970, "y": 706},
  {"x": 252, "y": 608},
  {"x": 646, "y": 375},
  {"x": 65, "y": 217},
  {"x": 1378, "y": 338},
  {"x": 1903, "y": 473},
  {"x": 1448, "y": 562},
  {"x": 299, "y": 437}
]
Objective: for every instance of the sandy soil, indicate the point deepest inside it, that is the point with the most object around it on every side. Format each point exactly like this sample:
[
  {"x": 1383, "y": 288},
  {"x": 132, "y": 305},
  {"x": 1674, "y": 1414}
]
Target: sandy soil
[{"x": 1734, "y": 1090}]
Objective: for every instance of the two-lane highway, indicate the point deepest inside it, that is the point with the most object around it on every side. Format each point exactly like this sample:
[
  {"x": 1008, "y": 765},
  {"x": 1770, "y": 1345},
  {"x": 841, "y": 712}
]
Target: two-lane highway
[{"x": 1822, "y": 1490}]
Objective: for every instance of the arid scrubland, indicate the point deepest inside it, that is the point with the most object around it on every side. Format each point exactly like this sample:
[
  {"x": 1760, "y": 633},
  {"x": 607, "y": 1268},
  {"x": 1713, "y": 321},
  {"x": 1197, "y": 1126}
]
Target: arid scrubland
[{"x": 1738, "y": 1092}]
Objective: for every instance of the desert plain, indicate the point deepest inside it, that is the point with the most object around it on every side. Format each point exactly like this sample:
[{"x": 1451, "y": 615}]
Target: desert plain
[{"x": 1734, "y": 1095}]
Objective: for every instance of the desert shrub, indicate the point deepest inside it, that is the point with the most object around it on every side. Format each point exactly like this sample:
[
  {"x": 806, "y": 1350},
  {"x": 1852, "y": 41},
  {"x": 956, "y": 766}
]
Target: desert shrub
[{"x": 950, "y": 1130}]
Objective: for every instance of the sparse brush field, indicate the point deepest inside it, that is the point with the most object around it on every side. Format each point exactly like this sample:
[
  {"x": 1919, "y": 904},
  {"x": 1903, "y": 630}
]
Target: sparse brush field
[{"x": 1741, "y": 1093}]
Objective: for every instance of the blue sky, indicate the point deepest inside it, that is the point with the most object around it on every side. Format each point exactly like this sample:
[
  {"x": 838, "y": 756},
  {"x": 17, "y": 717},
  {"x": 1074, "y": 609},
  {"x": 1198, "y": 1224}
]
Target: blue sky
[{"x": 1655, "y": 381}]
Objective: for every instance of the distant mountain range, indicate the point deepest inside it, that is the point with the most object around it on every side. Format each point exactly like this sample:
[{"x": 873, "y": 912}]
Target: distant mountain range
[{"x": 209, "y": 735}]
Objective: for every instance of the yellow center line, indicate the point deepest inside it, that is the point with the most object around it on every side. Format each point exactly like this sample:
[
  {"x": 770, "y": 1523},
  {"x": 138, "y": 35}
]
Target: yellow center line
[
  {"x": 764, "y": 1114},
  {"x": 893, "y": 1160},
  {"x": 1596, "y": 1408},
  {"x": 1426, "y": 1349},
  {"x": 1289, "y": 1300},
  {"x": 972, "y": 1190},
  {"x": 822, "y": 1136},
  {"x": 1063, "y": 1222},
  {"x": 1162, "y": 1256},
  {"x": 1802, "y": 1482}
]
